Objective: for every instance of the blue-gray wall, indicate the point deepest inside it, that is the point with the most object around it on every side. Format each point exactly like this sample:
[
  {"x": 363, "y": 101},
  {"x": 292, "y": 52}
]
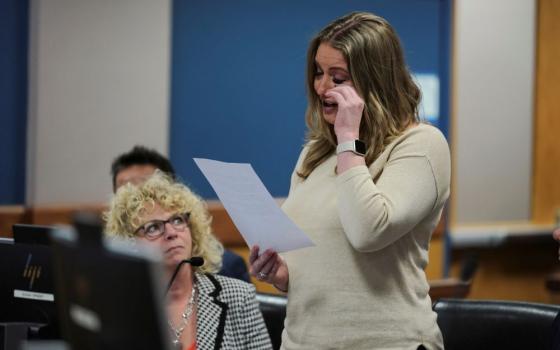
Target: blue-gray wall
[
  {"x": 238, "y": 68},
  {"x": 14, "y": 19},
  {"x": 237, "y": 80}
]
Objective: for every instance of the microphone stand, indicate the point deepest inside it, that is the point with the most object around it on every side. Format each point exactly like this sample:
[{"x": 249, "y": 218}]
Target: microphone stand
[{"x": 194, "y": 261}]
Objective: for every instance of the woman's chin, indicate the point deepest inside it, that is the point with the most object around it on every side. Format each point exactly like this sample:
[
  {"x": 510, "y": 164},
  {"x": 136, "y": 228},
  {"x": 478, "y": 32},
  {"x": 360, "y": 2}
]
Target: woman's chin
[
  {"x": 329, "y": 114},
  {"x": 173, "y": 260},
  {"x": 329, "y": 118}
]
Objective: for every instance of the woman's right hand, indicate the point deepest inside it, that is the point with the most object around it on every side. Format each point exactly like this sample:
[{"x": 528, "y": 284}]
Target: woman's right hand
[
  {"x": 349, "y": 113},
  {"x": 269, "y": 267}
]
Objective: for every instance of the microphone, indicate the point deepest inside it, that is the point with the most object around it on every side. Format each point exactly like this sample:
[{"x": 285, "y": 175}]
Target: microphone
[{"x": 194, "y": 261}]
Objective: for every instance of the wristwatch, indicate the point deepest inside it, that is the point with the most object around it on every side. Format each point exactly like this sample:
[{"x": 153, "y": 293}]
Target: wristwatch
[{"x": 355, "y": 146}]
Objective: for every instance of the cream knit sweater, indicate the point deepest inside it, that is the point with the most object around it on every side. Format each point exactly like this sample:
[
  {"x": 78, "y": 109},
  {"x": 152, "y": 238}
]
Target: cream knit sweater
[{"x": 363, "y": 285}]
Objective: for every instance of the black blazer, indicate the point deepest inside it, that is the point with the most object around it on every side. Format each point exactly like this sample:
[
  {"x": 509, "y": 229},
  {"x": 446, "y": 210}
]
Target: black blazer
[{"x": 228, "y": 315}]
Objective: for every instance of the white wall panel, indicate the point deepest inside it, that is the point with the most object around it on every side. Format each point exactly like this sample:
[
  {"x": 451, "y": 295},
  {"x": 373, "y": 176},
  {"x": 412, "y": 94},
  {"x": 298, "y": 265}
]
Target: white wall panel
[
  {"x": 494, "y": 59},
  {"x": 99, "y": 83}
]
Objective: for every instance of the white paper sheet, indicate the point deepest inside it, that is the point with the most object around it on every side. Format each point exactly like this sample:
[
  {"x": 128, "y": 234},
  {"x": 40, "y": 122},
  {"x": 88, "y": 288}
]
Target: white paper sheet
[{"x": 251, "y": 207}]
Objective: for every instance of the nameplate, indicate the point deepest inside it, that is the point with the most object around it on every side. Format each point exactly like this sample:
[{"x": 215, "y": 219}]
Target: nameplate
[{"x": 26, "y": 294}]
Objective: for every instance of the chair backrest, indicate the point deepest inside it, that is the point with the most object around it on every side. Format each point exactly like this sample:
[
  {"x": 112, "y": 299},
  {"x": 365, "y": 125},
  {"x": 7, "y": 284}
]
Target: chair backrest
[
  {"x": 485, "y": 324},
  {"x": 273, "y": 308}
]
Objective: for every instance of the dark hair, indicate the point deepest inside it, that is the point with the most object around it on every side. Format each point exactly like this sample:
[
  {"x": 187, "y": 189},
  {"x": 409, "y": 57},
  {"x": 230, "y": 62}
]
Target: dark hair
[{"x": 140, "y": 155}]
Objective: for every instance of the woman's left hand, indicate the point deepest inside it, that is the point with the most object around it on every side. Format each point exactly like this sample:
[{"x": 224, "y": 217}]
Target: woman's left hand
[
  {"x": 349, "y": 114},
  {"x": 269, "y": 267}
]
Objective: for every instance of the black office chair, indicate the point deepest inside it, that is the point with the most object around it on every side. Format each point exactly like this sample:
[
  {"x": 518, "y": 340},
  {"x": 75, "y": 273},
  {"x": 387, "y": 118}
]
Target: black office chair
[
  {"x": 273, "y": 308},
  {"x": 483, "y": 324}
]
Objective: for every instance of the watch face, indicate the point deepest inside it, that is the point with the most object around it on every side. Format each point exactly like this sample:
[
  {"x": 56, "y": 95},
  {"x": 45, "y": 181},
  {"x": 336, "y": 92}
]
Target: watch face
[{"x": 360, "y": 147}]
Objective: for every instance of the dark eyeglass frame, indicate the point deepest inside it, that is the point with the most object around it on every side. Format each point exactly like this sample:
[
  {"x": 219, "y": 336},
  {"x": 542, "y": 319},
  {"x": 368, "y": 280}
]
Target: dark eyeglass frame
[{"x": 141, "y": 230}]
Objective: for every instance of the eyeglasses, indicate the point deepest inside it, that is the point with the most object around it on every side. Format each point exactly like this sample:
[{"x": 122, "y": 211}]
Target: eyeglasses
[{"x": 156, "y": 228}]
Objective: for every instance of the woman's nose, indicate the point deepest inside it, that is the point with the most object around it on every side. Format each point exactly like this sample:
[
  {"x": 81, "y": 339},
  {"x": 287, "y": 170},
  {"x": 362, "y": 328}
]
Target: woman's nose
[
  {"x": 169, "y": 231},
  {"x": 324, "y": 84}
]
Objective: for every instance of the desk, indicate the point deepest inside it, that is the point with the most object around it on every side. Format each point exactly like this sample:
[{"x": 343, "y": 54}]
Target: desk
[
  {"x": 489, "y": 236},
  {"x": 514, "y": 259}
]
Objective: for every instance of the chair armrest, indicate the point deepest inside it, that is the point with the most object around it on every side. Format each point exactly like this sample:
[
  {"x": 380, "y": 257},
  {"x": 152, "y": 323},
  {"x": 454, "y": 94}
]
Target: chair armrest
[{"x": 449, "y": 288}]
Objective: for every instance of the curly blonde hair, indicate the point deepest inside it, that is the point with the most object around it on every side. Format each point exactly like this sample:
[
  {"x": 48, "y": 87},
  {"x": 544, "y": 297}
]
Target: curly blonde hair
[
  {"x": 378, "y": 70},
  {"x": 131, "y": 202}
]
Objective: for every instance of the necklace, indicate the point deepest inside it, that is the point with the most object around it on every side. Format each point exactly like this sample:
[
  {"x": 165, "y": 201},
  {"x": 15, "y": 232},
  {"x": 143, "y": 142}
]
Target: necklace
[{"x": 187, "y": 313}]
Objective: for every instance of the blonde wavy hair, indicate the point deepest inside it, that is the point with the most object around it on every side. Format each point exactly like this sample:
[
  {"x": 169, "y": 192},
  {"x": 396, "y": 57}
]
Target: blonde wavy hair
[
  {"x": 379, "y": 73},
  {"x": 131, "y": 202}
]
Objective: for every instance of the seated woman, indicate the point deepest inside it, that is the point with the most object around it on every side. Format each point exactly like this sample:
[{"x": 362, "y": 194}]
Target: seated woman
[{"x": 205, "y": 310}]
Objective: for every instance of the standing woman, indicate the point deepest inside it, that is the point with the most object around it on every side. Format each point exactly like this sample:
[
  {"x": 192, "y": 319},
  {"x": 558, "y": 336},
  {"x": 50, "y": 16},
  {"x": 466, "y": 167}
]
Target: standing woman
[
  {"x": 206, "y": 311},
  {"x": 368, "y": 188}
]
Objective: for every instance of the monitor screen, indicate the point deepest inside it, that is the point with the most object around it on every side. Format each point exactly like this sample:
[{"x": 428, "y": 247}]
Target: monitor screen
[
  {"x": 31, "y": 234},
  {"x": 27, "y": 288},
  {"x": 109, "y": 297}
]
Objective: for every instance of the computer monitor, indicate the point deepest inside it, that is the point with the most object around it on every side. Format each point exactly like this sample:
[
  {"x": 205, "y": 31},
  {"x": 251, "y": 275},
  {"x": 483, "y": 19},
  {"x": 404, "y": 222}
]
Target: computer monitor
[
  {"x": 109, "y": 297},
  {"x": 27, "y": 288},
  {"x": 31, "y": 234}
]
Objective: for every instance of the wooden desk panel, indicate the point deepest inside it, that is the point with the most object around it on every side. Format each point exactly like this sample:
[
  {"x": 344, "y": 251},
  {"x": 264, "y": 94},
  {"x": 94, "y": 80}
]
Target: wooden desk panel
[
  {"x": 9, "y": 215},
  {"x": 60, "y": 214},
  {"x": 511, "y": 272},
  {"x": 225, "y": 230}
]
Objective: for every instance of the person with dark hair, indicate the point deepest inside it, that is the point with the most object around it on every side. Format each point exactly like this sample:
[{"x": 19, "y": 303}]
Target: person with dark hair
[
  {"x": 369, "y": 189},
  {"x": 137, "y": 165}
]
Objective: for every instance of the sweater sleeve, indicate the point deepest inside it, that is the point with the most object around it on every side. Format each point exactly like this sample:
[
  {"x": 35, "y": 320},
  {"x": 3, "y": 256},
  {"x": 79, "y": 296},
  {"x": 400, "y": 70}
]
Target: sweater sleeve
[{"x": 374, "y": 215}]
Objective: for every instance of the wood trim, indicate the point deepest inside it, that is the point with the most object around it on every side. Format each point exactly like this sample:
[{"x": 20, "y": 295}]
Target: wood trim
[
  {"x": 61, "y": 214},
  {"x": 439, "y": 231},
  {"x": 9, "y": 215},
  {"x": 229, "y": 235},
  {"x": 222, "y": 224},
  {"x": 223, "y": 227},
  {"x": 546, "y": 166},
  {"x": 449, "y": 288}
]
